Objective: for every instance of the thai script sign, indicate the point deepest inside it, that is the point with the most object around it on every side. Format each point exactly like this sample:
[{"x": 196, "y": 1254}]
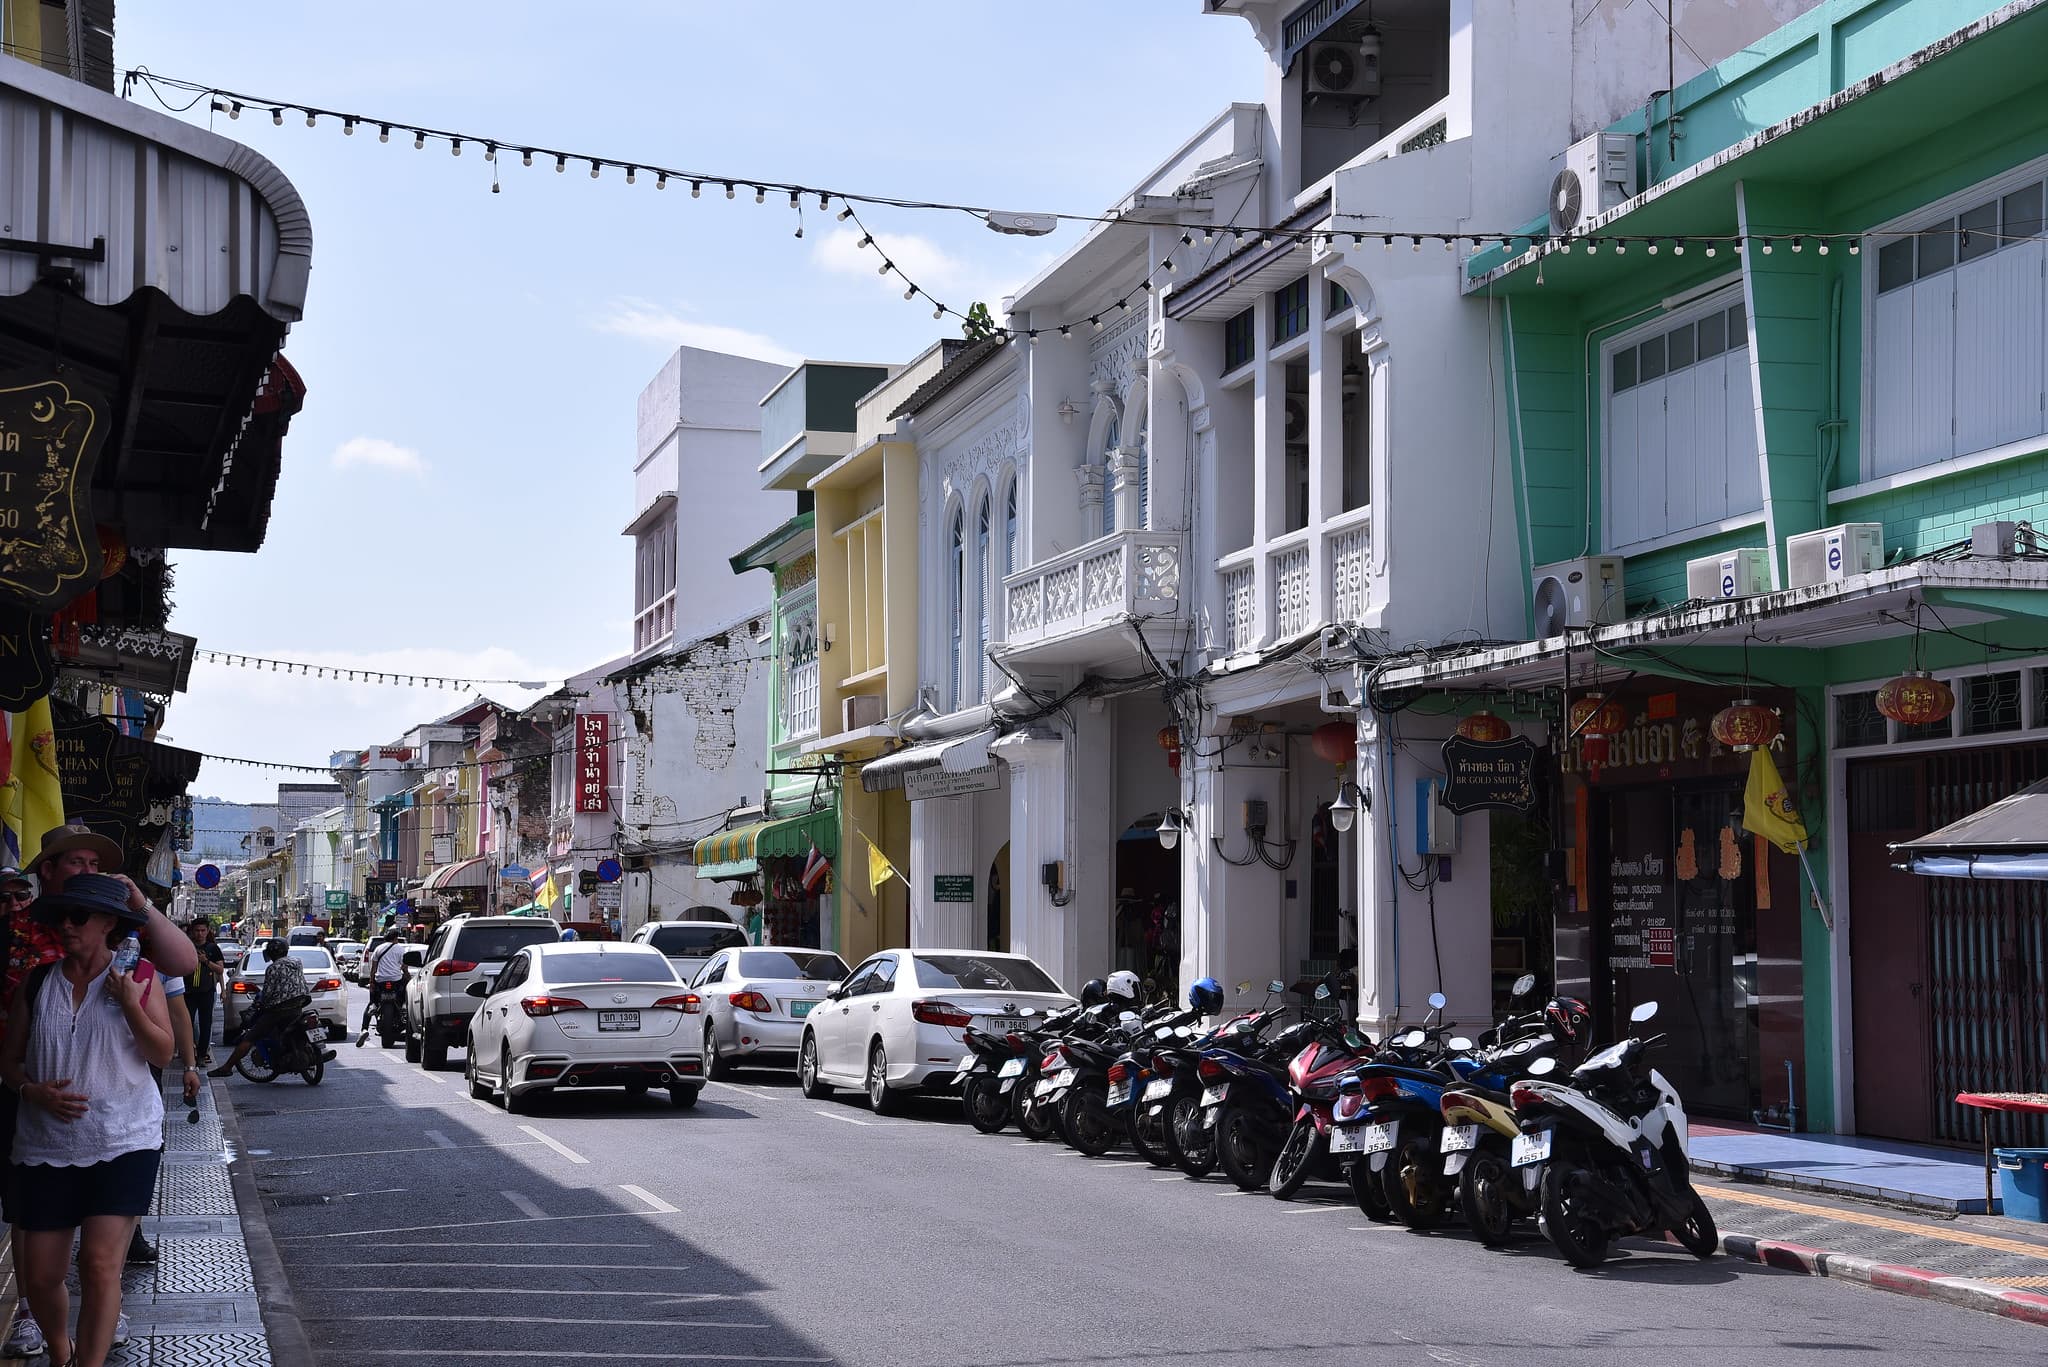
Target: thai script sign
[
  {"x": 593, "y": 761},
  {"x": 1489, "y": 773},
  {"x": 50, "y": 436}
]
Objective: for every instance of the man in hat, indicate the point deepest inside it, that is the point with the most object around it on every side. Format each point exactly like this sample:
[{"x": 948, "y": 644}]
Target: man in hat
[{"x": 30, "y": 945}]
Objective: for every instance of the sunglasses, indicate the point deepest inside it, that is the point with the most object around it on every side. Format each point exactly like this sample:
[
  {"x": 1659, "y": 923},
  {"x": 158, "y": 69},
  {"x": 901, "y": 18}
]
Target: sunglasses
[
  {"x": 17, "y": 894},
  {"x": 77, "y": 916}
]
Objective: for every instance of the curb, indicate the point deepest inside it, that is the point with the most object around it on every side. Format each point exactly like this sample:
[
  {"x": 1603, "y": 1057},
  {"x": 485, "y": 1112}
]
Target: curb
[
  {"x": 1776, "y": 1177},
  {"x": 2009, "y": 1301},
  {"x": 289, "y": 1346}
]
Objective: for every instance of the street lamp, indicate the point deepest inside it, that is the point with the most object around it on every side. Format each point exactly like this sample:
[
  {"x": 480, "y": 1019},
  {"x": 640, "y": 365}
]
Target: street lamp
[
  {"x": 1351, "y": 799},
  {"x": 1169, "y": 829}
]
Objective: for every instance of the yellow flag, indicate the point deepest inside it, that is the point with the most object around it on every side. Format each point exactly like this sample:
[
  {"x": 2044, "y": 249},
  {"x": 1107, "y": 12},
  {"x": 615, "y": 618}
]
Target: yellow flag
[
  {"x": 1767, "y": 808},
  {"x": 879, "y": 867},
  {"x": 35, "y": 795},
  {"x": 549, "y": 894}
]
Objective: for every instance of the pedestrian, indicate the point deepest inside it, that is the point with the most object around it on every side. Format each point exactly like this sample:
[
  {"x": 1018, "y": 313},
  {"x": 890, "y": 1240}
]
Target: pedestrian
[
  {"x": 83, "y": 1039},
  {"x": 30, "y": 945},
  {"x": 203, "y": 987},
  {"x": 283, "y": 995}
]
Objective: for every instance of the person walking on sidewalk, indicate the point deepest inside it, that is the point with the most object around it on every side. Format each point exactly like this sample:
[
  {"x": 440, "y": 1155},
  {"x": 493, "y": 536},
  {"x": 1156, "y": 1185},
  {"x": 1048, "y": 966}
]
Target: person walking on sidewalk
[
  {"x": 202, "y": 988},
  {"x": 29, "y": 945},
  {"x": 83, "y": 1039},
  {"x": 284, "y": 993}
]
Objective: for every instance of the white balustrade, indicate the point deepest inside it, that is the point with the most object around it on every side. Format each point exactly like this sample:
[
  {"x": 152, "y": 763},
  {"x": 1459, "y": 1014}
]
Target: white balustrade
[
  {"x": 1107, "y": 579},
  {"x": 1290, "y": 590},
  {"x": 1348, "y": 551}
]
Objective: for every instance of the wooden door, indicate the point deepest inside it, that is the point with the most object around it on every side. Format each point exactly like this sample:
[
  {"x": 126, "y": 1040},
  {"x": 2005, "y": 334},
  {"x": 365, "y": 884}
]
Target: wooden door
[{"x": 1888, "y": 939}]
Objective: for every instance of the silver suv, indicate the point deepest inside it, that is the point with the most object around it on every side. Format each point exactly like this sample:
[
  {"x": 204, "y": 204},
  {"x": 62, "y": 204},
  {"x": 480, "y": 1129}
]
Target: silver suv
[
  {"x": 689, "y": 945},
  {"x": 465, "y": 950}
]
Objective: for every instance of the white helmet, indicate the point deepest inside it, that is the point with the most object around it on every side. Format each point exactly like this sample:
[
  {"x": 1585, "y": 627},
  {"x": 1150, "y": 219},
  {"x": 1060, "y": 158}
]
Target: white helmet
[{"x": 1123, "y": 983}]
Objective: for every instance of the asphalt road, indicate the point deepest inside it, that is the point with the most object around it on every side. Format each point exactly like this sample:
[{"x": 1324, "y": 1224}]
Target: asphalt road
[{"x": 419, "y": 1226}]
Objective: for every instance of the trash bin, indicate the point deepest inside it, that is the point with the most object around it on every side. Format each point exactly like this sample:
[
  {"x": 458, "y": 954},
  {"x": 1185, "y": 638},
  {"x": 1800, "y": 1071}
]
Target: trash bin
[{"x": 2023, "y": 1183}]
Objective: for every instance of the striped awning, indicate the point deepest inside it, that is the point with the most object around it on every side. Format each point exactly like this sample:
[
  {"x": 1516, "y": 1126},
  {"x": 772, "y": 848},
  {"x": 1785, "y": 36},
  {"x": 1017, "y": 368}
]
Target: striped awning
[
  {"x": 737, "y": 853},
  {"x": 463, "y": 873}
]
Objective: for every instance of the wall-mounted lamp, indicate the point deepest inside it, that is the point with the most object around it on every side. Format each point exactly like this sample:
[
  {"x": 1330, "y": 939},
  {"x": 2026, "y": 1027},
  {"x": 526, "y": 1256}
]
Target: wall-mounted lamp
[
  {"x": 1351, "y": 800},
  {"x": 831, "y": 634},
  {"x": 1067, "y": 410},
  {"x": 1170, "y": 827}
]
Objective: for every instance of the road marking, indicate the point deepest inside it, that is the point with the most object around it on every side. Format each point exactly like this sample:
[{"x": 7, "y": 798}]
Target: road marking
[
  {"x": 379, "y": 1153},
  {"x": 467, "y": 1224},
  {"x": 1857, "y": 1217},
  {"x": 535, "y": 1319},
  {"x": 834, "y": 1115},
  {"x": 1373, "y": 1229},
  {"x": 1122, "y": 1163},
  {"x": 1316, "y": 1210},
  {"x": 557, "y": 1145},
  {"x": 484, "y": 1106},
  {"x": 470, "y": 1291},
  {"x": 510, "y": 1243},
  {"x": 654, "y": 1203},
  {"x": 530, "y": 1267},
  {"x": 745, "y": 1091},
  {"x": 442, "y": 1141},
  {"x": 524, "y": 1206},
  {"x": 1177, "y": 1177}
]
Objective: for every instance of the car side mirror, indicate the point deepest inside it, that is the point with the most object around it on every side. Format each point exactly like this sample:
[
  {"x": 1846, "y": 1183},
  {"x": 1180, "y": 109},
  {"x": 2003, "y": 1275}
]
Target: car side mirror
[
  {"x": 836, "y": 991},
  {"x": 478, "y": 989}
]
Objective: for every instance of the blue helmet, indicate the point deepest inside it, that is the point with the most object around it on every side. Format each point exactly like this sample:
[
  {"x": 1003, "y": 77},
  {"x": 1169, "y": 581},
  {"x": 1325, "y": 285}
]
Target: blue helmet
[
  {"x": 1206, "y": 996},
  {"x": 568, "y": 932}
]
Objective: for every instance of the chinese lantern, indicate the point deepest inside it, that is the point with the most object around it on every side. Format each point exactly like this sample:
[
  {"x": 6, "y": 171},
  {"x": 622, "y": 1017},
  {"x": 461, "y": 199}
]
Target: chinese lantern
[
  {"x": 1169, "y": 741},
  {"x": 1916, "y": 698},
  {"x": 1593, "y": 718},
  {"x": 113, "y": 550},
  {"x": 1744, "y": 725},
  {"x": 1335, "y": 743},
  {"x": 1484, "y": 726}
]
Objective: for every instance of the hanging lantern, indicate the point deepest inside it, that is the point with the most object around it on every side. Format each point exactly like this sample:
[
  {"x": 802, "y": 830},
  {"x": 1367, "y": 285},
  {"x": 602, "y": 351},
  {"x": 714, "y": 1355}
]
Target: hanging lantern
[
  {"x": 1169, "y": 741},
  {"x": 1483, "y": 726},
  {"x": 113, "y": 550},
  {"x": 1916, "y": 698},
  {"x": 1593, "y": 719},
  {"x": 1335, "y": 743},
  {"x": 1745, "y": 725}
]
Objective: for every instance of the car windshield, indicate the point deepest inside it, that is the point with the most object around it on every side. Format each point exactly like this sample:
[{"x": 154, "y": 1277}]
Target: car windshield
[
  {"x": 982, "y": 972},
  {"x": 807, "y": 965},
  {"x": 311, "y": 956},
  {"x": 695, "y": 942},
  {"x": 605, "y": 966},
  {"x": 495, "y": 944}
]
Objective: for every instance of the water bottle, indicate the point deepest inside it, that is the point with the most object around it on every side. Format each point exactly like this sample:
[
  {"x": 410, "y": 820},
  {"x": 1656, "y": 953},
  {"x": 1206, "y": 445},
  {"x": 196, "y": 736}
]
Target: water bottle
[{"x": 128, "y": 955}]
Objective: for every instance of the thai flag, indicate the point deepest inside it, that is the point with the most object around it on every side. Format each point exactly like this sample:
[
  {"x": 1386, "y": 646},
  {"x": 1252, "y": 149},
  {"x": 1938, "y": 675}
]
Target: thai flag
[{"x": 815, "y": 869}]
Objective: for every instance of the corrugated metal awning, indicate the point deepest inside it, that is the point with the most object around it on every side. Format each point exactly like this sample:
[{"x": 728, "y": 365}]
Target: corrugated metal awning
[
  {"x": 737, "y": 853},
  {"x": 959, "y": 755}
]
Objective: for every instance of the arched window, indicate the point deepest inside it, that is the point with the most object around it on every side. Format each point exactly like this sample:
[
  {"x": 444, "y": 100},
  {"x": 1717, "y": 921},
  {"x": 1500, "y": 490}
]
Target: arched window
[
  {"x": 956, "y": 582},
  {"x": 983, "y": 593},
  {"x": 1112, "y": 434}
]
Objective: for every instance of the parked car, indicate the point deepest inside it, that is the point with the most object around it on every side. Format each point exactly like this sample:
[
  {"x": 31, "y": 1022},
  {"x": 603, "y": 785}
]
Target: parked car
[
  {"x": 231, "y": 952},
  {"x": 690, "y": 944},
  {"x": 896, "y": 1024},
  {"x": 574, "y": 1015},
  {"x": 245, "y": 980},
  {"x": 465, "y": 950},
  {"x": 347, "y": 955},
  {"x": 756, "y": 1000}
]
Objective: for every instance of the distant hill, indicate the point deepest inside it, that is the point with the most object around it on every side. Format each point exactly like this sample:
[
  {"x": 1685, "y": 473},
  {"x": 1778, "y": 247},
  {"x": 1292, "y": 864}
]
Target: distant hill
[{"x": 218, "y": 826}]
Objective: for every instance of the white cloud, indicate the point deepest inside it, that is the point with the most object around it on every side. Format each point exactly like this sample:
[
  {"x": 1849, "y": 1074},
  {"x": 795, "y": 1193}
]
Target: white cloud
[
  {"x": 646, "y": 321},
  {"x": 379, "y": 454}
]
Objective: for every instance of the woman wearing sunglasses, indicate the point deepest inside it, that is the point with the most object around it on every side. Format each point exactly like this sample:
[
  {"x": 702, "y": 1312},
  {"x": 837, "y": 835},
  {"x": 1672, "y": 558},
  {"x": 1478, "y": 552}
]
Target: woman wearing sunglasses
[{"x": 81, "y": 1041}]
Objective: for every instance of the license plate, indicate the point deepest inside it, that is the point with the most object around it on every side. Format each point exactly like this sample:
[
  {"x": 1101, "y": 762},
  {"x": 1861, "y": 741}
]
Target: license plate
[
  {"x": 618, "y": 1020},
  {"x": 1011, "y": 1068},
  {"x": 966, "y": 1066},
  {"x": 1157, "y": 1088},
  {"x": 1000, "y": 1025},
  {"x": 799, "y": 1009},
  {"x": 1344, "y": 1139},
  {"x": 1044, "y": 1087},
  {"x": 1119, "y": 1093},
  {"x": 1459, "y": 1138},
  {"x": 1064, "y": 1078},
  {"x": 1213, "y": 1096},
  {"x": 1376, "y": 1138},
  {"x": 1530, "y": 1148}
]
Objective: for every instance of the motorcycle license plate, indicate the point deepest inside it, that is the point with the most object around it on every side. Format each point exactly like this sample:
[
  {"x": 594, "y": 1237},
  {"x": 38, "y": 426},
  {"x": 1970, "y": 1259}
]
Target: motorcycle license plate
[
  {"x": 624, "y": 1021},
  {"x": 1157, "y": 1088},
  {"x": 1043, "y": 1088},
  {"x": 1376, "y": 1138},
  {"x": 1012, "y": 1068},
  {"x": 1345, "y": 1138},
  {"x": 1530, "y": 1148},
  {"x": 1459, "y": 1138},
  {"x": 1119, "y": 1093},
  {"x": 1213, "y": 1096},
  {"x": 1064, "y": 1079},
  {"x": 966, "y": 1066}
]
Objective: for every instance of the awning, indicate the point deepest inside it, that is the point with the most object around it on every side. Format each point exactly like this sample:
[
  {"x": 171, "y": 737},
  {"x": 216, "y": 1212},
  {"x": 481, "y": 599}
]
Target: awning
[
  {"x": 463, "y": 873},
  {"x": 961, "y": 755},
  {"x": 2008, "y": 839},
  {"x": 737, "y": 853}
]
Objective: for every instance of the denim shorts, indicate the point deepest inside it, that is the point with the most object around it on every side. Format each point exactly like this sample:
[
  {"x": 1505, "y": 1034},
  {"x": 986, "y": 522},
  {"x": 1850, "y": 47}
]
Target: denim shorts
[{"x": 46, "y": 1197}]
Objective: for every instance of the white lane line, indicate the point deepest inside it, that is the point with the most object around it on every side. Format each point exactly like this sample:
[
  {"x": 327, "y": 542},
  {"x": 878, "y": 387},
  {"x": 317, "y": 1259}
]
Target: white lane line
[
  {"x": 379, "y": 1153},
  {"x": 557, "y": 1145},
  {"x": 524, "y": 1206},
  {"x": 1121, "y": 1163},
  {"x": 482, "y": 1105},
  {"x": 470, "y": 1291},
  {"x": 466, "y": 1224},
  {"x": 440, "y": 1140},
  {"x": 745, "y": 1091},
  {"x": 1317, "y": 1210},
  {"x": 1373, "y": 1229},
  {"x": 654, "y": 1203},
  {"x": 510, "y": 1243},
  {"x": 834, "y": 1115},
  {"x": 530, "y": 1267},
  {"x": 1177, "y": 1177},
  {"x": 535, "y": 1319}
]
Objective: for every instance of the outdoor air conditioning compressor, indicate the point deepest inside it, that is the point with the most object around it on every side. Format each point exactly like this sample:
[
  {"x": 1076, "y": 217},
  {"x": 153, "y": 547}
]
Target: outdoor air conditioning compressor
[{"x": 1741, "y": 573}]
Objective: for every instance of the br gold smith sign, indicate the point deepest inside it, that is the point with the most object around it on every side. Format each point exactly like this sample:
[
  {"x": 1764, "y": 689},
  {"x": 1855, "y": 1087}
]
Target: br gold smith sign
[{"x": 49, "y": 441}]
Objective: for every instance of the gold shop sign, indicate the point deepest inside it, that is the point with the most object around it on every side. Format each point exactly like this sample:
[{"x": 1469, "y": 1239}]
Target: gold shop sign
[{"x": 50, "y": 435}]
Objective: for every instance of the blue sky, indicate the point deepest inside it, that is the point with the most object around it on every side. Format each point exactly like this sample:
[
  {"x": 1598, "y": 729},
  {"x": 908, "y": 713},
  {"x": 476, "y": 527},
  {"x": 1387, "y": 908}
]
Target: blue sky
[{"x": 453, "y": 492}]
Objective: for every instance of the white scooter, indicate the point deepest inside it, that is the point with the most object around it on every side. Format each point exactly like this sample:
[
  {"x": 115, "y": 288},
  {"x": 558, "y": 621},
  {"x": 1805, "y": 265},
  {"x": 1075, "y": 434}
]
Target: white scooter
[{"x": 1608, "y": 1150}]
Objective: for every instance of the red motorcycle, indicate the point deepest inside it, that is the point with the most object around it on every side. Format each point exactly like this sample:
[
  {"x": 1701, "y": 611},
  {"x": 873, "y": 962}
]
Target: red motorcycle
[{"x": 1332, "y": 1052}]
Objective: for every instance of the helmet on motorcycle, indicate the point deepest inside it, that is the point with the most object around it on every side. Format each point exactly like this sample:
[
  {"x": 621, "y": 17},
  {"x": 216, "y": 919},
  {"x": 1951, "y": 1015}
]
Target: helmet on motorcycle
[
  {"x": 1206, "y": 996},
  {"x": 1124, "y": 984},
  {"x": 568, "y": 932},
  {"x": 274, "y": 949},
  {"x": 1094, "y": 992},
  {"x": 1567, "y": 1019}
]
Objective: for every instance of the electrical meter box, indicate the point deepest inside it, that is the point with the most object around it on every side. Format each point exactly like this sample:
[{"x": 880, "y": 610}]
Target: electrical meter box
[{"x": 1436, "y": 826}]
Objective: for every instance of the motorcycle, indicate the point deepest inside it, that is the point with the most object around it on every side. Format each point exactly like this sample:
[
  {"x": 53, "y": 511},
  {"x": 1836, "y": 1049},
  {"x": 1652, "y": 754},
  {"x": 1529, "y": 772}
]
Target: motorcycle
[
  {"x": 1609, "y": 1147},
  {"x": 1085, "y": 1115},
  {"x": 1313, "y": 1078},
  {"x": 387, "y": 1009},
  {"x": 1248, "y": 1100},
  {"x": 291, "y": 1050},
  {"x": 989, "y": 1075},
  {"x": 1389, "y": 1117},
  {"x": 1142, "y": 1078}
]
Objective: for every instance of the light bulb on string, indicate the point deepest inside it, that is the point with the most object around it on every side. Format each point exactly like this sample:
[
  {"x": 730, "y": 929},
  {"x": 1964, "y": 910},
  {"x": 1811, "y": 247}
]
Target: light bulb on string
[
  {"x": 1855, "y": 246},
  {"x": 1417, "y": 241},
  {"x": 1799, "y": 244},
  {"x": 1767, "y": 246},
  {"x": 526, "y": 156},
  {"x": 846, "y": 213},
  {"x": 661, "y": 180},
  {"x": 1821, "y": 247},
  {"x": 886, "y": 266},
  {"x": 311, "y": 118},
  {"x": 490, "y": 151},
  {"x": 1095, "y": 322},
  {"x": 348, "y": 128},
  {"x": 234, "y": 109},
  {"x": 1386, "y": 242},
  {"x": 630, "y": 172},
  {"x": 455, "y": 147},
  {"x": 939, "y": 312},
  {"x": 728, "y": 190},
  {"x": 594, "y": 165},
  {"x": 561, "y": 164},
  {"x": 760, "y": 195},
  {"x": 796, "y": 200},
  {"x": 277, "y": 117},
  {"x": 910, "y": 293},
  {"x": 696, "y": 189},
  {"x": 824, "y": 201},
  {"x": 419, "y": 140},
  {"x": 1710, "y": 251},
  {"x": 1677, "y": 247},
  {"x": 1653, "y": 246}
]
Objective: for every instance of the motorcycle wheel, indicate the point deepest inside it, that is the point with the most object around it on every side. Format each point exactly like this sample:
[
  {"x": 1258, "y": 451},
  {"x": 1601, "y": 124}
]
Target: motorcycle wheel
[
  {"x": 256, "y": 1067},
  {"x": 1192, "y": 1142},
  {"x": 1414, "y": 1183},
  {"x": 1297, "y": 1159},
  {"x": 1090, "y": 1129},
  {"x": 1367, "y": 1191},
  {"x": 1147, "y": 1134},
  {"x": 1580, "y": 1237},
  {"x": 1698, "y": 1234},
  {"x": 387, "y": 1038},
  {"x": 315, "y": 1073},
  {"x": 1243, "y": 1158},
  {"x": 1035, "y": 1119},
  {"x": 982, "y": 1099},
  {"x": 1482, "y": 1197}
]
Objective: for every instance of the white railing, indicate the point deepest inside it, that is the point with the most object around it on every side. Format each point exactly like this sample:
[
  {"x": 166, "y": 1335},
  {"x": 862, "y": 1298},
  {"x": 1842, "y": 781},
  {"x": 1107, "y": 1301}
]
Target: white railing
[
  {"x": 1290, "y": 589},
  {"x": 1266, "y": 594},
  {"x": 1425, "y": 130},
  {"x": 1237, "y": 583},
  {"x": 1349, "y": 547},
  {"x": 1101, "y": 582}
]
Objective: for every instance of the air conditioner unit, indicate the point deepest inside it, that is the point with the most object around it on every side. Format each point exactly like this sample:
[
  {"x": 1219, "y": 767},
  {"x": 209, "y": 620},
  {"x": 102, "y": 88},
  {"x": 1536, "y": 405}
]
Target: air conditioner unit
[
  {"x": 1741, "y": 573},
  {"x": 1577, "y": 593},
  {"x": 1599, "y": 173},
  {"x": 1350, "y": 69},
  {"x": 860, "y": 710},
  {"x": 1831, "y": 554}
]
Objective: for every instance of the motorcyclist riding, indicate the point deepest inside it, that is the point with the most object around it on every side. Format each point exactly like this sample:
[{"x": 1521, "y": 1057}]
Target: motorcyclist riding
[
  {"x": 284, "y": 994},
  {"x": 387, "y": 974}
]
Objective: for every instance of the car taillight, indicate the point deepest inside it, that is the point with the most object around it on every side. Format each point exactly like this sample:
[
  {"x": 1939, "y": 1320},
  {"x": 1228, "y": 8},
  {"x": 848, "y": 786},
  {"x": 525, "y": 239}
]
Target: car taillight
[
  {"x": 328, "y": 985},
  {"x": 752, "y": 1001},
  {"x": 689, "y": 1003},
  {"x": 941, "y": 1013},
  {"x": 545, "y": 1005},
  {"x": 1118, "y": 1072},
  {"x": 243, "y": 988},
  {"x": 1209, "y": 1070},
  {"x": 448, "y": 968},
  {"x": 1524, "y": 1095}
]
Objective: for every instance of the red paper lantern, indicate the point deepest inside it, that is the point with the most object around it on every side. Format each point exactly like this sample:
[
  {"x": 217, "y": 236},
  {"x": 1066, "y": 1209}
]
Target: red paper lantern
[
  {"x": 1484, "y": 726},
  {"x": 1916, "y": 698},
  {"x": 1593, "y": 715},
  {"x": 1745, "y": 725},
  {"x": 1335, "y": 742},
  {"x": 113, "y": 550},
  {"x": 1169, "y": 741}
]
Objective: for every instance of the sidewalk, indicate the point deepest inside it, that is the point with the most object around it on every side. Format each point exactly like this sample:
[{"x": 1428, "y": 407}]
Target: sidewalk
[{"x": 1947, "y": 1180}]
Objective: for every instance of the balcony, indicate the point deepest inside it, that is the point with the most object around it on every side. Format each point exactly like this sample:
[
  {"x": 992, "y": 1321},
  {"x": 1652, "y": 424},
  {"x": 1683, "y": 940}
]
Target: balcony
[
  {"x": 1293, "y": 584},
  {"x": 1070, "y": 609}
]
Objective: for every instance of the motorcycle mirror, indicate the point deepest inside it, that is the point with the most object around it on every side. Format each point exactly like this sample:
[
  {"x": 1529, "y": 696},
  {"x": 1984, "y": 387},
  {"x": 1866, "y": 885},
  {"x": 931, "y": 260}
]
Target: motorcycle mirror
[
  {"x": 1460, "y": 1044},
  {"x": 1643, "y": 1012},
  {"x": 1437, "y": 1001},
  {"x": 1322, "y": 991},
  {"x": 1276, "y": 986},
  {"x": 1524, "y": 985},
  {"x": 1412, "y": 1040},
  {"x": 1543, "y": 1065}
]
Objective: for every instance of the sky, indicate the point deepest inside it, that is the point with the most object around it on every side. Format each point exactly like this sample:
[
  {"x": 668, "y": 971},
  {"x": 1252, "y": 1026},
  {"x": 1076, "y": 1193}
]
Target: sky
[{"x": 453, "y": 492}]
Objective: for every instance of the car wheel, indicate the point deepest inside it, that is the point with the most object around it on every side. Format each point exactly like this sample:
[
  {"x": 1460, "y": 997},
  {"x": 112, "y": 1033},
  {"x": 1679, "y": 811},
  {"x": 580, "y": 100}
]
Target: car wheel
[
  {"x": 715, "y": 1066},
  {"x": 514, "y": 1103},
  {"x": 807, "y": 1071},
  {"x": 477, "y": 1090},
  {"x": 683, "y": 1098},
  {"x": 434, "y": 1055},
  {"x": 881, "y": 1100}
]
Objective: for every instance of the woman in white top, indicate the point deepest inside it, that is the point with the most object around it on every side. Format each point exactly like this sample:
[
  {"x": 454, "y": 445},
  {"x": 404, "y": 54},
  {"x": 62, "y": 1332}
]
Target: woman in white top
[{"x": 83, "y": 1040}]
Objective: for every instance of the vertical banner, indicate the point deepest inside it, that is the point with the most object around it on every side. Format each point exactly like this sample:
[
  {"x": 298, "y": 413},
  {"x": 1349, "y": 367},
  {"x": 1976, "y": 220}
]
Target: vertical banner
[{"x": 593, "y": 761}]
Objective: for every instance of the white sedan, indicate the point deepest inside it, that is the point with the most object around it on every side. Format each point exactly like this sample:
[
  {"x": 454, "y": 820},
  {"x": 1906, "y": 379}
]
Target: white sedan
[
  {"x": 896, "y": 1024},
  {"x": 755, "y": 1001},
  {"x": 585, "y": 1014},
  {"x": 323, "y": 979}
]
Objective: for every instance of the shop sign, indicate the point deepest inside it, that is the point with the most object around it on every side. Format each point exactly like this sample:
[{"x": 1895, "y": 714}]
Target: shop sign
[
  {"x": 26, "y": 667},
  {"x": 387, "y": 870},
  {"x": 593, "y": 761},
  {"x": 1489, "y": 773},
  {"x": 586, "y": 881},
  {"x": 952, "y": 887},
  {"x": 50, "y": 438},
  {"x": 1641, "y": 895},
  {"x": 920, "y": 784},
  {"x": 337, "y": 899},
  {"x": 103, "y": 788},
  {"x": 609, "y": 896},
  {"x": 1667, "y": 736}
]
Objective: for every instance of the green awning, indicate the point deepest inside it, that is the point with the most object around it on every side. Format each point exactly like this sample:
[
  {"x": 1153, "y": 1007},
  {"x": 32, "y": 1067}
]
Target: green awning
[{"x": 737, "y": 853}]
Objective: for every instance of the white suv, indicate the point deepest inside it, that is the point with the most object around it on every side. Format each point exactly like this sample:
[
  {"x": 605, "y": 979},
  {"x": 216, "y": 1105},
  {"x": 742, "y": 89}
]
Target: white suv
[
  {"x": 689, "y": 945},
  {"x": 465, "y": 950}
]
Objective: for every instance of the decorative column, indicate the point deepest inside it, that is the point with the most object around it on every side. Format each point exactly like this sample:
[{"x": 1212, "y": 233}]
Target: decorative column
[
  {"x": 1125, "y": 475},
  {"x": 1375, "y": 888},
  {"x": 1090, "y": 478},
  {"x": 942, "y": 839}
]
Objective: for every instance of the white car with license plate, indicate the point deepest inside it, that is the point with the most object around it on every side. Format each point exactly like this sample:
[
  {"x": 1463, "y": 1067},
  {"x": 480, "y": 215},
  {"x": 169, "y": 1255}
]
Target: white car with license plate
[
  {"x": 466, "y": 950},
  {"x": 585, "y": 1014},
  {"x": 323, "y": 980},
  {"x": 756, "y": 1001},
  {"x": 897, "y": 1024}
]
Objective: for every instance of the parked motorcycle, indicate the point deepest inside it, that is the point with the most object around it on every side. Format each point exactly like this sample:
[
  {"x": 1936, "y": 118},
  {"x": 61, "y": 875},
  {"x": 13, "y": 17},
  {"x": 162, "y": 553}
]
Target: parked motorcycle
[
  {"x": 1248, "y": 1099},
  {"x": 1610, "y": 1145},
  {"x": 293, "y": 1049},
  {"x": 1389, "y": 1117},
  {"x": 989, "y": 1075},
  {"x": 1142, "y": 1078},
  {"x": 1199, "y": 1084},
  {"x": 1333, "y": 1050}
]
